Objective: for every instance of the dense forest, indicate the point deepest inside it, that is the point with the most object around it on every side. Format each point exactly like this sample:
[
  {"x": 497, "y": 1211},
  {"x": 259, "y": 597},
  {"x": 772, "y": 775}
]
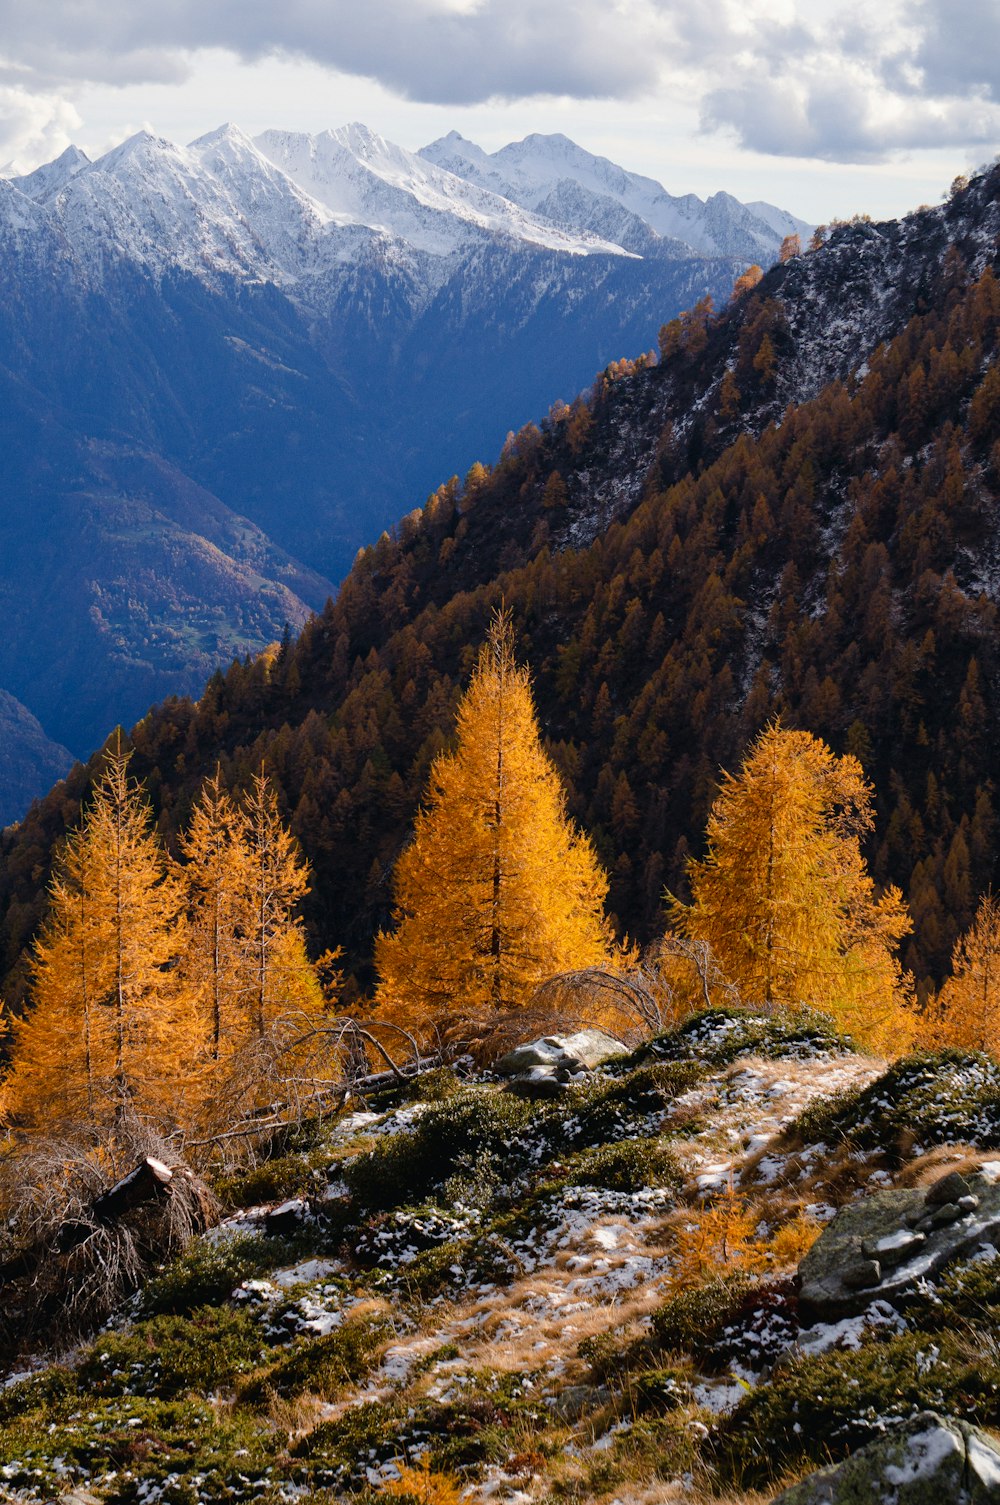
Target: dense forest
[{"x": 828, "y": 561}]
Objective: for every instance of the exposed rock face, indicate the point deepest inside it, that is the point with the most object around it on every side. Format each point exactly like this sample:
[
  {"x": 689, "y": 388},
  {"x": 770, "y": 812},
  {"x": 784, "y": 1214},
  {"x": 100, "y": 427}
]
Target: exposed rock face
[
  {"x": 542, "y": 1067},
  {"x": 928, "y": 1461},
  {"x": 891, "y": 1239}
]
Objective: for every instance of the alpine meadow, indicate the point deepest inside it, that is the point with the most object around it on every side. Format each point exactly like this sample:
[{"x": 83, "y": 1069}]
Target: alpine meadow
[{"x": 525, "y": 1030}]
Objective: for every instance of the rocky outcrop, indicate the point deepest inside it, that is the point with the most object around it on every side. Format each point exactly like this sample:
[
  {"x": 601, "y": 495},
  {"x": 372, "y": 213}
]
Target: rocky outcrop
[
  {"x": 930, "y": 1460},
  {"x": 542, "y": 1068},
  {"x": 886, "y": 1242}
]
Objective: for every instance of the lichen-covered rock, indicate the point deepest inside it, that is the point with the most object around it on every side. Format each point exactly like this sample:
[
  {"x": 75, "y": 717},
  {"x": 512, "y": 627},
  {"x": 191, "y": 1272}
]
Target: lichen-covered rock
[
  {"x": 930, "y": 1460},
  {"x": 573, "y": 1053},
  {"x": 893, "y": 1238}
]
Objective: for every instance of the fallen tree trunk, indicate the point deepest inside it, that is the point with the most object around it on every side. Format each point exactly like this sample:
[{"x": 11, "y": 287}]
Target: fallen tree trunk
[
  {"x": 149, "y": 1181},
  {"x": 151, "y": 1178}
]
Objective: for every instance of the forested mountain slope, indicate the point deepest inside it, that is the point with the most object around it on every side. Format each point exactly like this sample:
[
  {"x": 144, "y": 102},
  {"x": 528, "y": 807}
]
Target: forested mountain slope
[
  {"x": 794, "y": 513},
  {"x": 216, "y": 384}
]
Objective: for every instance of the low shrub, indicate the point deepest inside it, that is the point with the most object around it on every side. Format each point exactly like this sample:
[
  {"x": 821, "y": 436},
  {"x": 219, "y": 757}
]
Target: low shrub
[
  {"x": 815, "y": 1409},
  {"x": 208, "y": 1273},
  {"x": 135, "y": 1449},
  {"x": 658, "y": 1391},
  {"x": 40, "y": 1392},
  {"x": 272, "y": 1181},
  {"x": 717, "y": 1037},
  {"x": 473, "y": 1129},
  {"x": 693, "y": 1321},
  {"x": 630, "y": 1165},
  {"x": 398, "y": 1237},
  {"x": 172, "y": 1356},
  {"x": 625, "y": 1107},
  {"x": 341, "y": 1454},
  {"x": 324, "y": 1366},
  {"x": 437, "y": 1086},
  {"x": 961, "y": 1295},
  {"x": 940, "y": 1097}
]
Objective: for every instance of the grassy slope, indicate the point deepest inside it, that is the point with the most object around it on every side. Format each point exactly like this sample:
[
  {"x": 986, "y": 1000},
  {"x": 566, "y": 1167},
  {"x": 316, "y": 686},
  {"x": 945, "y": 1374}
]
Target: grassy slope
[{"x": 527, "y": 1297}]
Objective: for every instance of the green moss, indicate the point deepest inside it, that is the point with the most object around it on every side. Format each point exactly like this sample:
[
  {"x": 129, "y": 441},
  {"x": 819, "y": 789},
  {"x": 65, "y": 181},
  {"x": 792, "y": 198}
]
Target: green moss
[
  {"x": 815, "y": 1409},
  {"x": 173, "y": 1356}
]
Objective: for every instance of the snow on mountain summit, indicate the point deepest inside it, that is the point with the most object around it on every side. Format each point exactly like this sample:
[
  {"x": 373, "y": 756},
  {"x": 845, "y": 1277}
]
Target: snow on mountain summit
[
  {"x": 538, "y": 172},
  {"x": 302, "y": 210},
  {"x": 364, "y": 179}
]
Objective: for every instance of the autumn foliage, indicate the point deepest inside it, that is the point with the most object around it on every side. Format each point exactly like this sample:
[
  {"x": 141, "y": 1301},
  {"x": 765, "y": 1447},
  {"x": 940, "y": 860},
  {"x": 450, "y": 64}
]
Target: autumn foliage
[
  {"x": 968, "y": 1006},
  {"x": 783, "y": 897},
  {"x": 150, "y": 977},
  {"x": 498, "y": 890}
]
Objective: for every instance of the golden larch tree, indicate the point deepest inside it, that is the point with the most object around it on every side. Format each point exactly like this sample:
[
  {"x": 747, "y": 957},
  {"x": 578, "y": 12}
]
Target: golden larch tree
[
  {"x": 969, "y": 1002},
  {"x": 783, "y": 897},
  {"x": 498, "y": 890},
  {"x": 108, "y": 1027},
  {"x": 218, "y": 878},
  {"x": 277, "y": 977}
]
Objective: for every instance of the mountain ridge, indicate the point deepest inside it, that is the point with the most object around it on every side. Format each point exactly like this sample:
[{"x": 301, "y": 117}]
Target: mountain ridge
[
  {"x": 300, "y": 365},
  {"x": 688, "y": 553}
]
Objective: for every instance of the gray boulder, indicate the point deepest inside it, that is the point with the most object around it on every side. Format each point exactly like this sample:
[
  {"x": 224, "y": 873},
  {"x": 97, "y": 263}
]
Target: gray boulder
[
  {"x": 885, "y": 1242},
  {"x": 929, "y": 1460},
  {"x": 566, "y": 1053}
]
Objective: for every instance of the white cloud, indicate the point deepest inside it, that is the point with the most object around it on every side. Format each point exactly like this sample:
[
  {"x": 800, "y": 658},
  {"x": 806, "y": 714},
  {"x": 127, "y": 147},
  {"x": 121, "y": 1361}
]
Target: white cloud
[
  {"x": 836, "y": 80},
  {"x": 33, "y": 127}
]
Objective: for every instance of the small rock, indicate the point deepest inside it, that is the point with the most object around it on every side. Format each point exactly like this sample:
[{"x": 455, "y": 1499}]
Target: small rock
[
  {"x": 538, "y": 1084},
  {"x": 948, "y": 1189},
  {"x": 577, "y": 1400},
  {"x": 940, "y": 1217},
  {"x": 893, "y": 1248},
  {"x": 288, "y": 1217},
  {"x": 969, "y": 1203},
  {"x": 862, "y": 1275}
]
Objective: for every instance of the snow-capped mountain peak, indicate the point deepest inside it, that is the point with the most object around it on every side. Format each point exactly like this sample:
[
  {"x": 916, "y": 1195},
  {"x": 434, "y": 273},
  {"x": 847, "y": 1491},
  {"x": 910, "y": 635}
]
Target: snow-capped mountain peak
[
  {"x": 362, "y": 178},
  {"x": 53, "y": 176},
  {"x": 536, "y": 173}
]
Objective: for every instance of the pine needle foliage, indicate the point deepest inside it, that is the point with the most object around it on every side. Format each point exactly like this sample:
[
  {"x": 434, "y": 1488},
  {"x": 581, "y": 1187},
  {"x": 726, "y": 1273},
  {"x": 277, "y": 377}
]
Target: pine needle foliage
[
  {"x": 783, "y": 897},
  {"x": 969, "y": 1002},
  {"x": 498, "y": 890},
  {"x": 109, "y": 1024}
]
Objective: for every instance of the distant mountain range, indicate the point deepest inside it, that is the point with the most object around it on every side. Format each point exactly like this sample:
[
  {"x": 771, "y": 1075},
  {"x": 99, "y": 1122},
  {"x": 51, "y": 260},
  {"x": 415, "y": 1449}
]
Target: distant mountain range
[
  {"x": 795, "y": 513},
  {"x": 225, "y": 367}
]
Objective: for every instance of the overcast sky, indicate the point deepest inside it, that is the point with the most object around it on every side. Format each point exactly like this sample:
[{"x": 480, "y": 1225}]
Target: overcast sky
[{"x": 827, "y": 107}]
